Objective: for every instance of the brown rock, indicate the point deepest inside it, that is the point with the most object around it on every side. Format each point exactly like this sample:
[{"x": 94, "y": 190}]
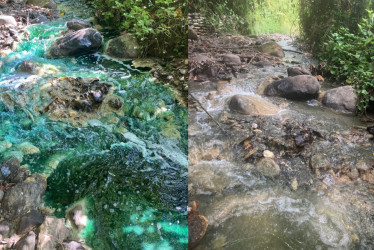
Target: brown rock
[
  {"x": 251, "y": 105},
  {"x": 197, "y": 226}
]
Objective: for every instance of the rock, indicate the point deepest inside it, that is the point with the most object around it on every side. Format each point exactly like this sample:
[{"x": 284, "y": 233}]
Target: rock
[
  {"x": 231, "y": 60},
  {"x": 4, "y": 229},
  {"x": 301, "y": 87},
  {"x": 1, "y": 195},
  {"x": 77, "y": 215},
  {"x": 319, "y": 161},
  {"x": 251, "y": 105},
  {"x": 28, "y": 67},
  {"x": 192, "y": 35},
  {"x": 29, "y": 221},
  {"x": 123, "y": 48},
  {"x": 268, "y": 154},
  {"x": 28, "y": 149},
  {"x": 115, "y": 102},
  {"x": 39, "y": 19},
  {"x": 9, "y": 170},
  {"x": 27, "y": 242},
  {"x": 77, "y": 24},
  {"x": 197, "y": 225},
  {"x": 52, "y": 232},
  {"x": 24, "y": 196},
  {"x": 295, "y": 71},
  {"x": 77, "y": 43},
  {"x": 294, "y": 184},
  {"x": 362, "y": 166},
  {"x": 267, "y": 167},
  {"x": 73, "y": 245},
  {"x": 272, "y": 48},
  {"x": 50, "y": 4},
  {"x": 353, "y": 173},
  {"x": 13, "y": 154},
  {"x": 4, "y": 145},
  {"x": 9, "y": 20},
  {"x": 342, "y": 99}
]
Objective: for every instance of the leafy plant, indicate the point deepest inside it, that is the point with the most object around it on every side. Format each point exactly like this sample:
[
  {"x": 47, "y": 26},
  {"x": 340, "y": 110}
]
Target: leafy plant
[
  {"x": 160, "y": 26},
  {"x": 349, "y": 57}
]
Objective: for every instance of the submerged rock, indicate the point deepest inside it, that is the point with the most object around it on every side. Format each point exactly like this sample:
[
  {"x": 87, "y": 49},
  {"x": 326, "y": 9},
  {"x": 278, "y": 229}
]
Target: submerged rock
[
  {"x": 52, "y": 232},
  {"x": 77, "y": 43},
  {"x": 267, "y": 167},
  {"x": 29, "y": 221},
  {"x": 123, "y": 47},
  {"x": 301, "y": 87},
  {"x": 50, "y": 4},
  {"x": 251, "y": 105},
  {"x": 297, "y": 70},
  {"x": 77, "y": 24},
  {"x": 28, "y": 67},
  {"x": 197, "y": 225},
  {"x": 272, "y": 48},
  {"x": 341, "y": 98}
]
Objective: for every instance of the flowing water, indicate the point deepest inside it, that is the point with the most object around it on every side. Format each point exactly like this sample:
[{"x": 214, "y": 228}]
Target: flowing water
[
  {"x": 298, "y": 209},
  {"x": 131, "y": 178}
]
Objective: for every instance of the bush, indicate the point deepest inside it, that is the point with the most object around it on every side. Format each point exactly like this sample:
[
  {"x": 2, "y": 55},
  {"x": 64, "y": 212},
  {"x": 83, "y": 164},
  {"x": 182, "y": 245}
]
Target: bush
[
  {"x": 160, "y": 26},
  {"x": 349, "y": 57}
]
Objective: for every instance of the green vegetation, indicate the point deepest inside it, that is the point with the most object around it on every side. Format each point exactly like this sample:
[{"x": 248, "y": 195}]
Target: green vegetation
[
  {"x": 349, "y": 57},
  {"x": 160, "y": 26}
]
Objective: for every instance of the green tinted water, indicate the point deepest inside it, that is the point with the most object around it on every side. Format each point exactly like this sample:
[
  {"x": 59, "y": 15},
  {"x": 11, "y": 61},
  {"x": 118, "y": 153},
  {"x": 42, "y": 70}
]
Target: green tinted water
[{"x": 134, "y": 182}]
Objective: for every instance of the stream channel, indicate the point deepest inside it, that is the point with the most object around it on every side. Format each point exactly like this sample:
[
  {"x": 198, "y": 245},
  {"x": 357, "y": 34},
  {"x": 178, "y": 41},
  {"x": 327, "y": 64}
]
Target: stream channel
[
  {"x": 128, "y": 166},
  {"x": 322, "y": 198}
]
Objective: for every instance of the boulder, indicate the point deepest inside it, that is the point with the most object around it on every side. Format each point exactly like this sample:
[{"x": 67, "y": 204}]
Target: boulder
[
  {"x": 50, "y": 4},
  {"x": 9, "y": 170},
  {"x": 39, "y": 19},
  {"x": 192, "y": 34},
  {"x": 52, "y": 232},
  {"x": 301, "y": 87},
  {"x": 29, "y": 221},
  {"x": 7, "y": 20},
  {"x": 4, "y": 229},
  {"x": 231, "y": 60},
  {"x": 342, "y": 99},
  {"x": 297, "y": 70},
  {"x": 197, "y": 225},
  {"x": 77, "y": 43},
  {"x": 73, "y": 245},
  {"x": 77, "y": 24},
  {"x": 24, "y": 196},
  {"x": 123, "y": 47},
  {"x": 272, "y": 48},
  {"x": 27, "y": 242},
  {"x": 28, "y": 67},
  {"x": 251, "y": 105},
  {"x": 267, "y": 167}
]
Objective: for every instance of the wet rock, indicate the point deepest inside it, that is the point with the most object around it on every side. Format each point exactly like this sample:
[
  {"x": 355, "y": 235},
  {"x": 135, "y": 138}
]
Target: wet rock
[
  {"x": 27, "y": 242},
  {"x": 28, "y": 149},
  {"x": 295, "y": 71},
  {"x": 294, "y": 184},
  {"x": 73, "y": 245},
  {"x": 319, "y": 162},
  {"x": 30, "y": 221},
  {"x": 39, "y": 19},
  {"x": 267, "y": 167},
  {"x": 76, "y": 214},
  {"x": 123, "y": 48},
  {"x": 77, "y": 24},
  {"x": 9, "y": 170},
  {"x": 24, "y": 196},
  {"x": 272, "y": 48},
  {"x": 268, "y": 154},
  {"x": 192, "y": 34},
  {"x": 251, "y": 105},
  {"x": 4, "y": 229},
  {"x": 1, "y": 195},
  {"x": 77, "y": 43},
  {"x": 353, "y": 173},
  {"x": 341, "y": 98},
  {"x": 362, "y": 166},
  {"x": 28, "y": 67},
  {"x": 116, "y": 102},
  {"x": 9, "y": 20},
  {"x": 52, "y": 232},
  {"x": 13, "y": 154},
  {"x": 301, "y": 87},
  {"x": 50, "y": 4},
  {"x": 231, "y": 60},
  {"x": 197, "y": 225}
]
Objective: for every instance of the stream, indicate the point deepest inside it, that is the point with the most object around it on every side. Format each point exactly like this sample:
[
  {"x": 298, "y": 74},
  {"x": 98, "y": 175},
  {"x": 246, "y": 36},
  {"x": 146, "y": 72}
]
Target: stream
[
  {"x": 128, "y": 168},
  {"x": 303, "y": 206}
]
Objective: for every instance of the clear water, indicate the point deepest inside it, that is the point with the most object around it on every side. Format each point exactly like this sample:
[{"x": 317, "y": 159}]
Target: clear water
[
  {"x": 248, "y": 211},
  {"x": 135, "y": 182}
]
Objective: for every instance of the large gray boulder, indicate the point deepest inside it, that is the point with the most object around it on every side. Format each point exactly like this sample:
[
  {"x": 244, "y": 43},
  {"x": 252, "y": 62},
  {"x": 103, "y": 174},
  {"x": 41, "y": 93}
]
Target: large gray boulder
[
  {"x": 7, "y": 20},
  {"x": 251, "y": 105},
  {"x": 342, "y": 99},
  {"x": 123, "y": 47},
  {"x": 301, "y": 87},
  {"x": 77, "y": 43}
]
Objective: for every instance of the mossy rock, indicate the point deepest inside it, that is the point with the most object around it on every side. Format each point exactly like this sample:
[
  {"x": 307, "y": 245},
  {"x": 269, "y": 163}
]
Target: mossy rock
[{"x": 123, "y": 48}]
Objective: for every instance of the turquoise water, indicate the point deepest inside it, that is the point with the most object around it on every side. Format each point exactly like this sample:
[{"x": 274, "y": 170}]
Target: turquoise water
[{"x": 131, "y": 169}]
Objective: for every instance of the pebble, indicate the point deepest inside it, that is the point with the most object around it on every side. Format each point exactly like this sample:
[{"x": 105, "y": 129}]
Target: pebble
[{"x": 268, "y": 154}]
